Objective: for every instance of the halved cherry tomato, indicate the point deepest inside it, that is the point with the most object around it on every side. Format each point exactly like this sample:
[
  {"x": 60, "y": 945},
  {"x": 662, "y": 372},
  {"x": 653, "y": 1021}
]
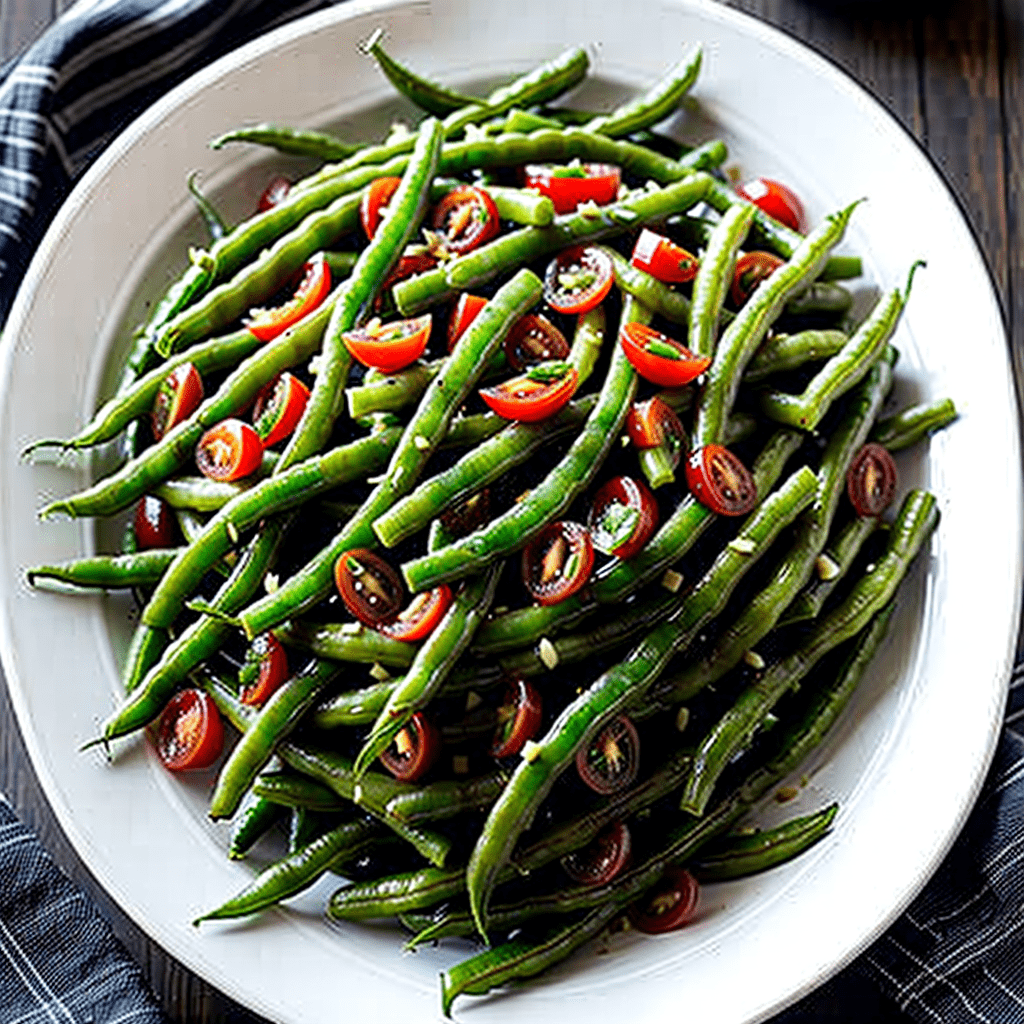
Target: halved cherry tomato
[
  {"x": 267, "y": 324},
  {"x": 719, "y": 480},
  {"x": 578, "y": 279},
  {"x": 189, "y": 734},
  {"x": 601, "y": 859},
  {"x": 518, "y": 719},
  {"x": 265, "y": 669},
  {"x": 662, "y": 258},
  {"x": 464, "y": 313},
  {"x": 276, "y": 191},
  {"x": 622, "y": 517},
  {"x": 374, "y": 202},
  {"x": 424, "y": 612},
  {"x": 871, "y": 480},
  {"x": 612, "y": 760},
  {"x": 370, "y": 588},
  {"x": 659, "y": 358},
  {"x": 179, "y": 396},
  {"x": 557, "y": 562},
  {"x": 465, "y": 218},
  {"x": 669, "y": 905},
  {"x": 775, "y": 199},
  {"x": 154, "y": 523},
  {"x": 229, "y": 451},
  {"x": 653, "y": 423},
  {"x": 407, "y": 266},
  {"x": 568, "y": 186},
  {"x": 413, "y": 750},
  {"x": 468, "y": 514},
  {"x": 278, "y": 408},
  {"x": 389, "y": 347},
  {"x": 531, "y": 398},
  {"x": 534, "y": 339},
  {"x": 751, "y": 269}
]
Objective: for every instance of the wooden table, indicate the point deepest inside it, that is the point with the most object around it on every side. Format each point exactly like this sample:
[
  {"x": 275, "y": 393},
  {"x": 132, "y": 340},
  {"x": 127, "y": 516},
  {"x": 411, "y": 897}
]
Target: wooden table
[{"x": 952, "y": 73}]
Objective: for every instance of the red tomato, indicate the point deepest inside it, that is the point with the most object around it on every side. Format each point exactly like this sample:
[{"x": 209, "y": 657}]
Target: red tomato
[
  {"x": 601, "y": 860},
  {"x": 465, "y": 218},
  {"x": 267, "y": 324},
  {"x": 871, "y": 480},
  {"x": 276, "y": 191},
  {"x": 270, "y": 660},
  {"x": 578, "y": 279},
  {"x": 407, "y": 266},
  {"x": 663, "y": 259},
  {"x": 278, "y": 408},
  {"x": 370, "y": 588},
  {"x": 622, "y": 517},
  {"x": 719, "y": 480},
  {"x": 557, "y": 562},
  {"x": 179, "y": 396},
  {"x": 413, "y": 750},
  {"x": 389, "y": 347},
  {"x": 374, "y": 202},
  {"x": 653, "y": 423},
  {"x": 154, "y": 523},
  {"x": 532, "y": 340},
  {"x": 465, "y": 312},
  {"x": 569, "y": 186},
  {"x": 775, "y": 199},
  {"x": 659, "y": 358},
  {"x": 529, "y": 399},
  {"x": 518, "y": 719},
  {"x": 751, "y": 269},
  {"x": 669, "y": 905},
  {"x": 229, "y": 451},
  {"x": 612, "y": 760},
  {"x": 424, "y": 612},
  {"x": 189, "y": 734}
]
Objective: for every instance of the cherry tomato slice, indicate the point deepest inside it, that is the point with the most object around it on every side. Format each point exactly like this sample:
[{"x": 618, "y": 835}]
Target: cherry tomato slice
[
  {"x": 659, "y": 358},
  {"x": 719, "y": 480},
  {"x": 179, "y": 396},
  {"x": 264, "y": 671},
  {"x": 278, "y": 408},
  {"x": 229, "y": 451},
  {"x": 871, "y": 480},
  {"x": 534, "y": 339},
  {"x": 578, "y": 279},
  {"x": 602, "y": 859},
  {"x": 622, "y": 517},
  {"x": 518, "y": 719},
  {"x": 775, "y": 199},
  {"x": 371, "y": 589},
  {"x": 413, "y": 751},
  {"x": 424, "y": 612},
  {"x": 662, "y": 258},
  {"x": 653, "y": 423},
  {"x": 612, "y": 760},
  {"x": 568, "y": 186},
  {"x": 189, "y": 734},
  {"x": 669, "y": 905},
  {"x": 407, "y": 266},
  {"x": 276, "y": 191},
  {"x": 154, "y": 523},
  {"x": 267, "y": 324},
  {"x": 374, "y": 203},
  {"x": 751, "y": 269},
  {"x": 529, "y": 399},
  {"x": 389, "y": 347},
  {"x": 557, "y": 562},
  {"x": 465, "y": 312},
  {"x": 465, "y": 218}
]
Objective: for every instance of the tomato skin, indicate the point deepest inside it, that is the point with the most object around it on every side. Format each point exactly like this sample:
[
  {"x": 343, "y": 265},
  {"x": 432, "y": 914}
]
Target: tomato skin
[
  {"x": 272, "y": 672},
  {"x": 669, "y": 905},
  {"x": 189, "y": 734},
  {"x": 637, "y": 339},
  {"x": 775, "y": 199},
  {"x": 533, "y": 339},
  {"x": 530, "y": 401},
  {"x": 591, "y": 267},
  {"x": 376, "y": 197},
  {"x": 465, "y": 312},
  {"x": 871, "y": 480},
  {"x": 612, "y": 760},
  {"x": 465, "y": 218},
  {"x": 626, "y": 492},
  {"x": 424, "y": 745},
  {"x": 154, "y": 523},
  {"x": 179, "y": 396},
  {"x": 423, "y": 614},
  {"x": 267, "y": 324},
  {"x": 229, "y": 451},
  {"x": 719, "y": 480},
  {"x": 276, "y": 192},
  {"x": 392, "y": 346},
  {"x": 598, "y": 183},
  {"x": 650, "y": 423},
  {"x": 523, "y": 709},
  {"x": 662, "y": 258},
  {"x": 370, "y": 588},
  {"x": 751, "y": 269},
  {"x": 557, "y": 562},
  {"x": 407, "y": 266},
  {"x": 602, "y": 859},
  {"x": 278, "y": 408}
]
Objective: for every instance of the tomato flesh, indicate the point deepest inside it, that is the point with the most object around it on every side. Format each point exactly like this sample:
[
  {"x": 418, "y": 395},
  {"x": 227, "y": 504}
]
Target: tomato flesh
[
  {"x": 533, "y": 340},
  {"x": 529, "y": 399},
  {"x": 465, "y": 312},
  {"x": 423, "y": 613},
  {"x": 519, "y": 719},
  {"x": 276, "y": 192},
  {"x": 602, "y": 859},
  {"x": 578, "y": 279},
  {"x": 751, "y": 269},
  {"x": 719, "y": 480},
  {"x": 465, "y": 218},
  {"x": 659, "y": 358},
  {"x": 871, "y": 480},
  {"x": 622, "y": 517},
  {"x": 154, "y": 523},
  {"x": 392, "y": 346},
  {"x": 413, "y": 751},
  {"x": 669, "y": 905},
  {"x": 179, "y": 396},
  {"x": 369, "y": 587},
  {"x": 612, "y": 760},
  {"x": 278, "y": 408},
  {"x": 653, "y": 423},
  {"x": 568, "y": 186},
  {"x": 662, "y": 258},
  {"x": 267, "y": 661},
  {"x": 267, "y": 324},
  {"x": 557, "y": 562},
  {"x": 229, "y": 451},
  {"x": 189, "y": 734},
  {"x": 775, "y": 199},
  {"x": 374, "y": 203}
]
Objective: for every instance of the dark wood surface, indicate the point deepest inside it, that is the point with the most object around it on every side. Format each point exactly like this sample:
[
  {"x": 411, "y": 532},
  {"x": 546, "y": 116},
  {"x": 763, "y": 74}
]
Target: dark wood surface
[{"x": 951, "y": 73}]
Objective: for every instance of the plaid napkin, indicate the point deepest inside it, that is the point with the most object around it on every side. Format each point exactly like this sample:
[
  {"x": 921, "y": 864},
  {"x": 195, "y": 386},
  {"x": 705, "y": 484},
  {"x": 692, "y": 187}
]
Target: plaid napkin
[{"x": 957, "y": 955}]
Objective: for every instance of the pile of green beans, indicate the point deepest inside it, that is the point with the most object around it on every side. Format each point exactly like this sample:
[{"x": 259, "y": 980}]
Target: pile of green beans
[{"x": 391, "y": 461}]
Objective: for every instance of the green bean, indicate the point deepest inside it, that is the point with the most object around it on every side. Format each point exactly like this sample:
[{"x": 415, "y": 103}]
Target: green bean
[
  {"x": 346, "y": 641},
  {"x": 144, "y": 651},
  {"x": 654, "y": 294},
  {"x": 785, "y": 352},
  {"x": 211, "y": 218},
  {"x": 821, "y": 298},
  {"x": 293, "y": 141},
  {"x": 108, "y": 571},
  {"x": 393, "y": 392},
  {"x": 522, "y": 207},
  {"x": 446, "y": 799},
  {"x": 396, "y": 894},
  {"x": 199, "y": 493},
  {"x": 290, "y": 790},
  {"x": 470, "y": 431},
  {"x": 911, "y": 425},
  {"x": 258, "y": 816}
]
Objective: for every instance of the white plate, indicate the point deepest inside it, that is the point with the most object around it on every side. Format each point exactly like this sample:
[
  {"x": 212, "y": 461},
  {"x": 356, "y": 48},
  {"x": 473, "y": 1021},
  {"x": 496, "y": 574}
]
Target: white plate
[{"x": 908, "y": 759}]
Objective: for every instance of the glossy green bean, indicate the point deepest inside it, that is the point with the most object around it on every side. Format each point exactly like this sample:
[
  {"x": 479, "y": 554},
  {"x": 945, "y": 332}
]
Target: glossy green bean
[
  {"x": 141, "y": 569},
  {"x": 522, "y": 207},
  {"x": 199, "y": 493},
  {"x": 393, "y": 392},
  {"x": 654, "y": 294},
  {"x": 909, "y": 426},
  {"x": 290, "y": 790},
  {"x": 346, "y": 641},
  {"x": 257, "y": 817},
  {"x": 446, "y": 799},
  {"x": 293, "y": 141},
  {"x": 785, "y": 352}
]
